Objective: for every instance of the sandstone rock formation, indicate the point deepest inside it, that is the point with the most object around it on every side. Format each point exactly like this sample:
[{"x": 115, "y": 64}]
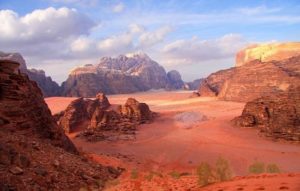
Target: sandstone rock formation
[
  {"x": 45, "y": 83},
  {"x": 277, "y": 116},
  {"x": 98, "y": 119},
  {"x": 124, "y": 74},
  {"x": 253, "y": 79},
  {"x": 268, "y": 52},
  {"x": 35, "y": 154},
  {"x": 212, "y": 85}
]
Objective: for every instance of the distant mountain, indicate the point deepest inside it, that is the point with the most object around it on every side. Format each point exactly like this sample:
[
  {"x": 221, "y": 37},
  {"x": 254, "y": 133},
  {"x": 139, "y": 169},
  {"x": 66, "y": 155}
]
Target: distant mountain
[
  {"x": 194, "y": 85},
  {"x": 45, "y": 83},
  {"x": 260, "y": 71},
  {"x": 123, "y": 74}
]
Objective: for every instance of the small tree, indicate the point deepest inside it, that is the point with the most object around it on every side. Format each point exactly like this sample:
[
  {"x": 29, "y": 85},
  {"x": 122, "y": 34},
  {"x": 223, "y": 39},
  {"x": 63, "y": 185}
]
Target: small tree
[
  {"x": 205, "y": 174},
  {"x": 223, "y": 171},
  {"x": 272, "y": 168},
  {"x": 257, "y": 168}
]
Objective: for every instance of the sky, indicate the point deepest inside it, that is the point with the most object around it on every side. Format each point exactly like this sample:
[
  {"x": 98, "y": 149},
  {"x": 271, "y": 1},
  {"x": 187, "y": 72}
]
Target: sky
[{"x": 195, "y": 37}]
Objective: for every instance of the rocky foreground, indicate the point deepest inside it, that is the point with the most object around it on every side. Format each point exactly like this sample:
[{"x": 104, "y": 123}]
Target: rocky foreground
[
  {"x": 99, "y": 120},
  {"x": 35, "y": 154}
]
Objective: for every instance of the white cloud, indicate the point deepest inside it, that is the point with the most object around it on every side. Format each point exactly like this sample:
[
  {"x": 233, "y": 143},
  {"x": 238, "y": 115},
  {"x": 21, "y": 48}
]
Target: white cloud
[
  {"x": 118, "y": 7},
  {"x": 151, "y": 38},
  {"x": 257, "y": 10},
  {"x": 43, "y": 25},
  {"x": 194, "y": 50}
]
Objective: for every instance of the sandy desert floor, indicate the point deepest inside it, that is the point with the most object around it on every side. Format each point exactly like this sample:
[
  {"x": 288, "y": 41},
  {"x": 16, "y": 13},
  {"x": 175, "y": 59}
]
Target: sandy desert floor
[{"x": 187, "y": 131}]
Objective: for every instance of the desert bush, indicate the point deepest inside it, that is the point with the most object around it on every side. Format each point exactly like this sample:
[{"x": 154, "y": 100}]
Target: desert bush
[
  {"x": 134, "y": 174},
  {"x": 223, "y": 171},
  {"x": 272, "y": 168},
  {"x": 257, "y": 168},
  {"x": 175, "y": 174},
  {"x": 205, "y": 174}
]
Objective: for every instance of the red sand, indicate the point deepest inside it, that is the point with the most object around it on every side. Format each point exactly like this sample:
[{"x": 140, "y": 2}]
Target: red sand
[{"x": 165, "y": 146}]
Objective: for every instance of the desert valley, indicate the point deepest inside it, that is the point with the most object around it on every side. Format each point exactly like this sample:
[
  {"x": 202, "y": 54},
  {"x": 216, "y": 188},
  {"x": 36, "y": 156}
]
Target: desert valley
[{"x": 129, "y": 123}]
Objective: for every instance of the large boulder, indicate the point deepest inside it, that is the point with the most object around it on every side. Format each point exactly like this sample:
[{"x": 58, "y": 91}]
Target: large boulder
[{"x": 277, "y": 116}]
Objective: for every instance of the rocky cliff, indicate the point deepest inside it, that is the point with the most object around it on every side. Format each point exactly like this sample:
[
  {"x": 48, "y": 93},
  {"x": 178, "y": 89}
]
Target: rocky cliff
[
  {"x": 124, "y": 74},
  {"x": 45, "y": 83},
  {"x": 99, "y": 120},
  {"x": 268, "y": 52},
  {"x": 253, "y": 79},
  {"x": 277, "y": 115},
  {"x": 35, "y": 154}
]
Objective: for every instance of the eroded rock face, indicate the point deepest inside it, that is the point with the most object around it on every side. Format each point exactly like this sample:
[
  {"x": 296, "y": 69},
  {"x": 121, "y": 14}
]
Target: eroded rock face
[
  {"x": 257, "y": 79},
  {"x": 23, "y": 106},
  {"x": 253, "y": 79},
  {"x": 35, "y": 154},
  {"x": 268, "y": 52},
  {"x": 45, "y": 83},
  {"x": 99, "y": 120},
  {"x": 277, "y": 116},
  {"x": 212, "y": 85},
  {"x": 124, "y": 74}
]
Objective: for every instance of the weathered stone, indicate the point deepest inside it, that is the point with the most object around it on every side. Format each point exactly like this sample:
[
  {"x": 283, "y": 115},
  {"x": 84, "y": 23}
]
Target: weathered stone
[{"x": 16, "y": 170}]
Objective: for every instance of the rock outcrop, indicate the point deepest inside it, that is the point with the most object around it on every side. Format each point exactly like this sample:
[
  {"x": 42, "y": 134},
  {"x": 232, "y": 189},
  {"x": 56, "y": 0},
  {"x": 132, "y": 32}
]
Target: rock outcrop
[
  {"x": 212, "y": 85},
  {"x": 124, "y": 74},
  {"x": 98, "y": 120},
  {"x": 277, "y": 116},
  {"x": 253, "y": 79},
  {"x": 268, "y": 52},
  {"x": 45, "y": 83},
  {"x": 35, "y": 154}
]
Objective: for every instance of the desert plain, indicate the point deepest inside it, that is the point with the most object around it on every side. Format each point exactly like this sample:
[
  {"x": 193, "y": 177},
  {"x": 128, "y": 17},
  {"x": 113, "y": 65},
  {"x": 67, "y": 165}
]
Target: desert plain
[{"x": 185, "y": 132}]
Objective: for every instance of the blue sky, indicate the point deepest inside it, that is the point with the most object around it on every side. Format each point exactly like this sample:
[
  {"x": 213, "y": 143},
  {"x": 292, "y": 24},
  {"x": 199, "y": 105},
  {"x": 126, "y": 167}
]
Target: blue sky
[{"x": 196, "y": 37}]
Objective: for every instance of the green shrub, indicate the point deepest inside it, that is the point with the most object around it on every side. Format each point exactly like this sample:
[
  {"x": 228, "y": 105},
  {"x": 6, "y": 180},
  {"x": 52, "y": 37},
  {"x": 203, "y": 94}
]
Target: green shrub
[
  {"x": 175, "y": 174},
  {"x": 272, "y": 168},
  {"x": 134, "y": 174},
  {"x": 223, "y": 171},
  {"x": 205, "y": 174},
  {"x": 257, "y": 168}
]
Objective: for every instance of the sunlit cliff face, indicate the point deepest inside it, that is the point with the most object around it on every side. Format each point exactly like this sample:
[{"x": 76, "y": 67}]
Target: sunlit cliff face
[{"x": 268, "y": 52}]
